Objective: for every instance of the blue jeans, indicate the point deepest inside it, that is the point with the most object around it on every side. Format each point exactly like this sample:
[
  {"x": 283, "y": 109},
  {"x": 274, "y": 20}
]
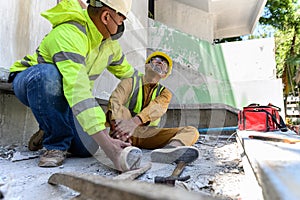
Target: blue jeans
[{"x": 40, "y": 88}]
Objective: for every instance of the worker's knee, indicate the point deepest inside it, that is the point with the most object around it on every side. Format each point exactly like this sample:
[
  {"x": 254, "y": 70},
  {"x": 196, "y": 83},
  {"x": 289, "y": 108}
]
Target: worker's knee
[
  {"x": 192, "y": 130},
  {"x": 192, "y": 133}
]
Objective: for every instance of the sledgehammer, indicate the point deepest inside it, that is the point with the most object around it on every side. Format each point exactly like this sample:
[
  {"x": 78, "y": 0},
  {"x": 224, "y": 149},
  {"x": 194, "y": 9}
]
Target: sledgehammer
[{"x": 174, "y": 177}]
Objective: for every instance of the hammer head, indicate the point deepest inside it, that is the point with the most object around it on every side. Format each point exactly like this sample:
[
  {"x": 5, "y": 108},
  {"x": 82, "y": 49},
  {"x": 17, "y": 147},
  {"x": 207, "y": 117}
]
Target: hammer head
[
  {"x": 169, "y": 180},
  {"x": 164, "y": 180}
]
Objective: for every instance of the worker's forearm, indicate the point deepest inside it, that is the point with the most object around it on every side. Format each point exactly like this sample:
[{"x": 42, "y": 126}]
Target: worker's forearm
[{"x": 101, "y": 138}]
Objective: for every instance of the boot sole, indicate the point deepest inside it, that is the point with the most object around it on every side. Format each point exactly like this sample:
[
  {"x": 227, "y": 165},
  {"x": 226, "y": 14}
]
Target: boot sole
[
  {"x": 186, "y": 154},
  {"x": 130, "y": 158},
  {"x": 32, "y": 144}
]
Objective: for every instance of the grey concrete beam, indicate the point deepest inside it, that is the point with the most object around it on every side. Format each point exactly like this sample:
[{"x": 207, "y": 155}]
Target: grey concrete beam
[{"x": 276, "y": 165}]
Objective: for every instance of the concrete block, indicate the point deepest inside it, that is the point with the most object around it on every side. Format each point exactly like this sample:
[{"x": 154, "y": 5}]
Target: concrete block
[{"x": 17, "y": 122}]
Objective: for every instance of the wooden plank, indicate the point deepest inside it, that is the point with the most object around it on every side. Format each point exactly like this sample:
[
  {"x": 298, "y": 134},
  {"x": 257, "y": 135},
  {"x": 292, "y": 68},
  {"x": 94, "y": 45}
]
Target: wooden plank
[{"x": 97, "y": 187}]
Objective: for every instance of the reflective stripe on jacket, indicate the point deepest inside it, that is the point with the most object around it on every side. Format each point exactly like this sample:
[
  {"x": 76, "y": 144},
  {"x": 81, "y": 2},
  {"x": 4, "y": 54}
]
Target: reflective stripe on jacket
[
  {"x": 136, "y": 99},
  {"x": 75, "y": 47}
]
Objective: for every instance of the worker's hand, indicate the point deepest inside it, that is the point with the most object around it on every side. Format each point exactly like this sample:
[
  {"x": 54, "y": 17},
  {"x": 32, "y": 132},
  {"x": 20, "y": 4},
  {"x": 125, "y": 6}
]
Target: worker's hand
[
  {"x": 112, "y": 147},
  {"x": 113, "y": 125},
  {"x": 125, "y": 128},
  {"x": 120, "y": 143}
]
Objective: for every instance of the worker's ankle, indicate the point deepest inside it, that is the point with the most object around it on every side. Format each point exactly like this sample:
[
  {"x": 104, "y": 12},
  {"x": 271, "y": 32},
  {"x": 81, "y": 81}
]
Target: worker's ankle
[{"x": 174, "y": 143}]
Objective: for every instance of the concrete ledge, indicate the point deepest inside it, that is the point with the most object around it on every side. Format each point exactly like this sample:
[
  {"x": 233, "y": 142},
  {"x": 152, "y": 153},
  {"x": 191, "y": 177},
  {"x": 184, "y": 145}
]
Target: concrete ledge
[
  {"x": 17, "y": 122},
  {"x": 276, "y": 165},
  {"x": 201, "y": 116},
  {"x": 205, "y": 106},
  {"x": 6, "y": 88}
]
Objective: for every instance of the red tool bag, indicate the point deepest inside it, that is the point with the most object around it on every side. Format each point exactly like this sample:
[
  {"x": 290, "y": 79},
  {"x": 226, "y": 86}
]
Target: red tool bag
[{"x": 261, "y": 118}]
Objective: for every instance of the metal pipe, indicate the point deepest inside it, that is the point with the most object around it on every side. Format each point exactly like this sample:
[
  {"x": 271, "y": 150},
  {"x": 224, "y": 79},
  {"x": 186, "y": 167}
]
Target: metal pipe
[{"x": 229, "y": 128}]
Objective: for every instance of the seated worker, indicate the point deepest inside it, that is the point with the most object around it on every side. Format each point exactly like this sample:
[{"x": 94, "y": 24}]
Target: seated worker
[{"x": 136, "y": 106}]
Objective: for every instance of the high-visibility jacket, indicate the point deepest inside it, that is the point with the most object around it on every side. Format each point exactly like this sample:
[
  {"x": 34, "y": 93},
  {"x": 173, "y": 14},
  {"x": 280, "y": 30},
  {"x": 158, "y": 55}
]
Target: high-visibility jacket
[
  {"x": 75, "y": 47},
  {"x": 136, "y": 100}
]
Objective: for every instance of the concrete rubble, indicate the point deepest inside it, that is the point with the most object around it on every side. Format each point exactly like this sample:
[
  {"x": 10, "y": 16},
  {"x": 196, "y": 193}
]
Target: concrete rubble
[{"x": 218, "y": 172}]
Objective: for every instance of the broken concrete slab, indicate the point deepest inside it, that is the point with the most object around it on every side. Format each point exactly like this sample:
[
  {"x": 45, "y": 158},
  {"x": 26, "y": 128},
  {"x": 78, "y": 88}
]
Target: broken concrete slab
[{"x": 19, "y": 156}]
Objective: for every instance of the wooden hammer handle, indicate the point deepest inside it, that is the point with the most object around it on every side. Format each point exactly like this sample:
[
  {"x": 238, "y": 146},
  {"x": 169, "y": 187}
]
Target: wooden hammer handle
[{"x": 179, "y": 169}]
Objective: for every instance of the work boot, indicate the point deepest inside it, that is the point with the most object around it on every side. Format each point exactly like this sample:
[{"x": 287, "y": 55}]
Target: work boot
[
  {"x": 52, "y": 158},
  {"x": 170, "y": 154},
  {"x": 130, "y": 158},
  {"x": 36, "y": 141}
]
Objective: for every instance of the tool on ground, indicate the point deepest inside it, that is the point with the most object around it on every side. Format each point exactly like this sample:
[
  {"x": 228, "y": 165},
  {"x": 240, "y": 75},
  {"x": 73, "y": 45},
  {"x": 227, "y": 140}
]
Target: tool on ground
[
  {"x": 174, "y": 177},
  {"x": 275, "y": 139}
]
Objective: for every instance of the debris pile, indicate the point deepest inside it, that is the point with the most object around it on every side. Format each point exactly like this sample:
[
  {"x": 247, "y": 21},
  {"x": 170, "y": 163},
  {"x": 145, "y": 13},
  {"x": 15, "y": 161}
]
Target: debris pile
[{"x": 7, "y": 152}]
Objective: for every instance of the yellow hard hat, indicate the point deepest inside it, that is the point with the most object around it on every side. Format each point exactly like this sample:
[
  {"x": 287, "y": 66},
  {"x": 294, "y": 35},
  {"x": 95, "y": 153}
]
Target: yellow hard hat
[
  {"x": 120, "y": 6},
  {"x": 164, "y": 55}
]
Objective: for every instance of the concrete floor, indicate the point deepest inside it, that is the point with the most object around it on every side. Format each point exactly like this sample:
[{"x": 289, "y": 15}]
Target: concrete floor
[{"x": 218, "y": 172}]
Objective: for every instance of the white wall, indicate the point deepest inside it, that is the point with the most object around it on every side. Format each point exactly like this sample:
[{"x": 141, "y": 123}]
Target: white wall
[
  {"x": 251, "y": 69},
  {"x": 22, "y": 28},
  {"x": 250, "y": 60}
]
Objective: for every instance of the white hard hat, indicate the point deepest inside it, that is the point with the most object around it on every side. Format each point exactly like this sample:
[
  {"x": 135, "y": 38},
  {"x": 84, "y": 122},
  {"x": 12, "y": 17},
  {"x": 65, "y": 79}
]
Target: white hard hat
[{"x": 120, "y": 6}]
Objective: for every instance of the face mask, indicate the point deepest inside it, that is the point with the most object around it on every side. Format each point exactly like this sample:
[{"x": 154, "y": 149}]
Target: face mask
[{"x": 119, "y": 32}]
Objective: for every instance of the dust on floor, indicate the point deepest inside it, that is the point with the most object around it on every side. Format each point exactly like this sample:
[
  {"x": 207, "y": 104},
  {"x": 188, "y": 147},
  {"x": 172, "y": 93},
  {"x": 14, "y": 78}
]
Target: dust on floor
[{"x": 218, "y": 172}]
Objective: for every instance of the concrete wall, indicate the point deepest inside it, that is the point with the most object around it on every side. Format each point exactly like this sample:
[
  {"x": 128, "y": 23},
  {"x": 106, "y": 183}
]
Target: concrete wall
[
  {"x": 17, "y": 122},
  {"x": 252, "y": 71},
  {"x": 22, "y": 28},
  {"x": 185, "y": 18},
  {"x": 243, "y": 58}
]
